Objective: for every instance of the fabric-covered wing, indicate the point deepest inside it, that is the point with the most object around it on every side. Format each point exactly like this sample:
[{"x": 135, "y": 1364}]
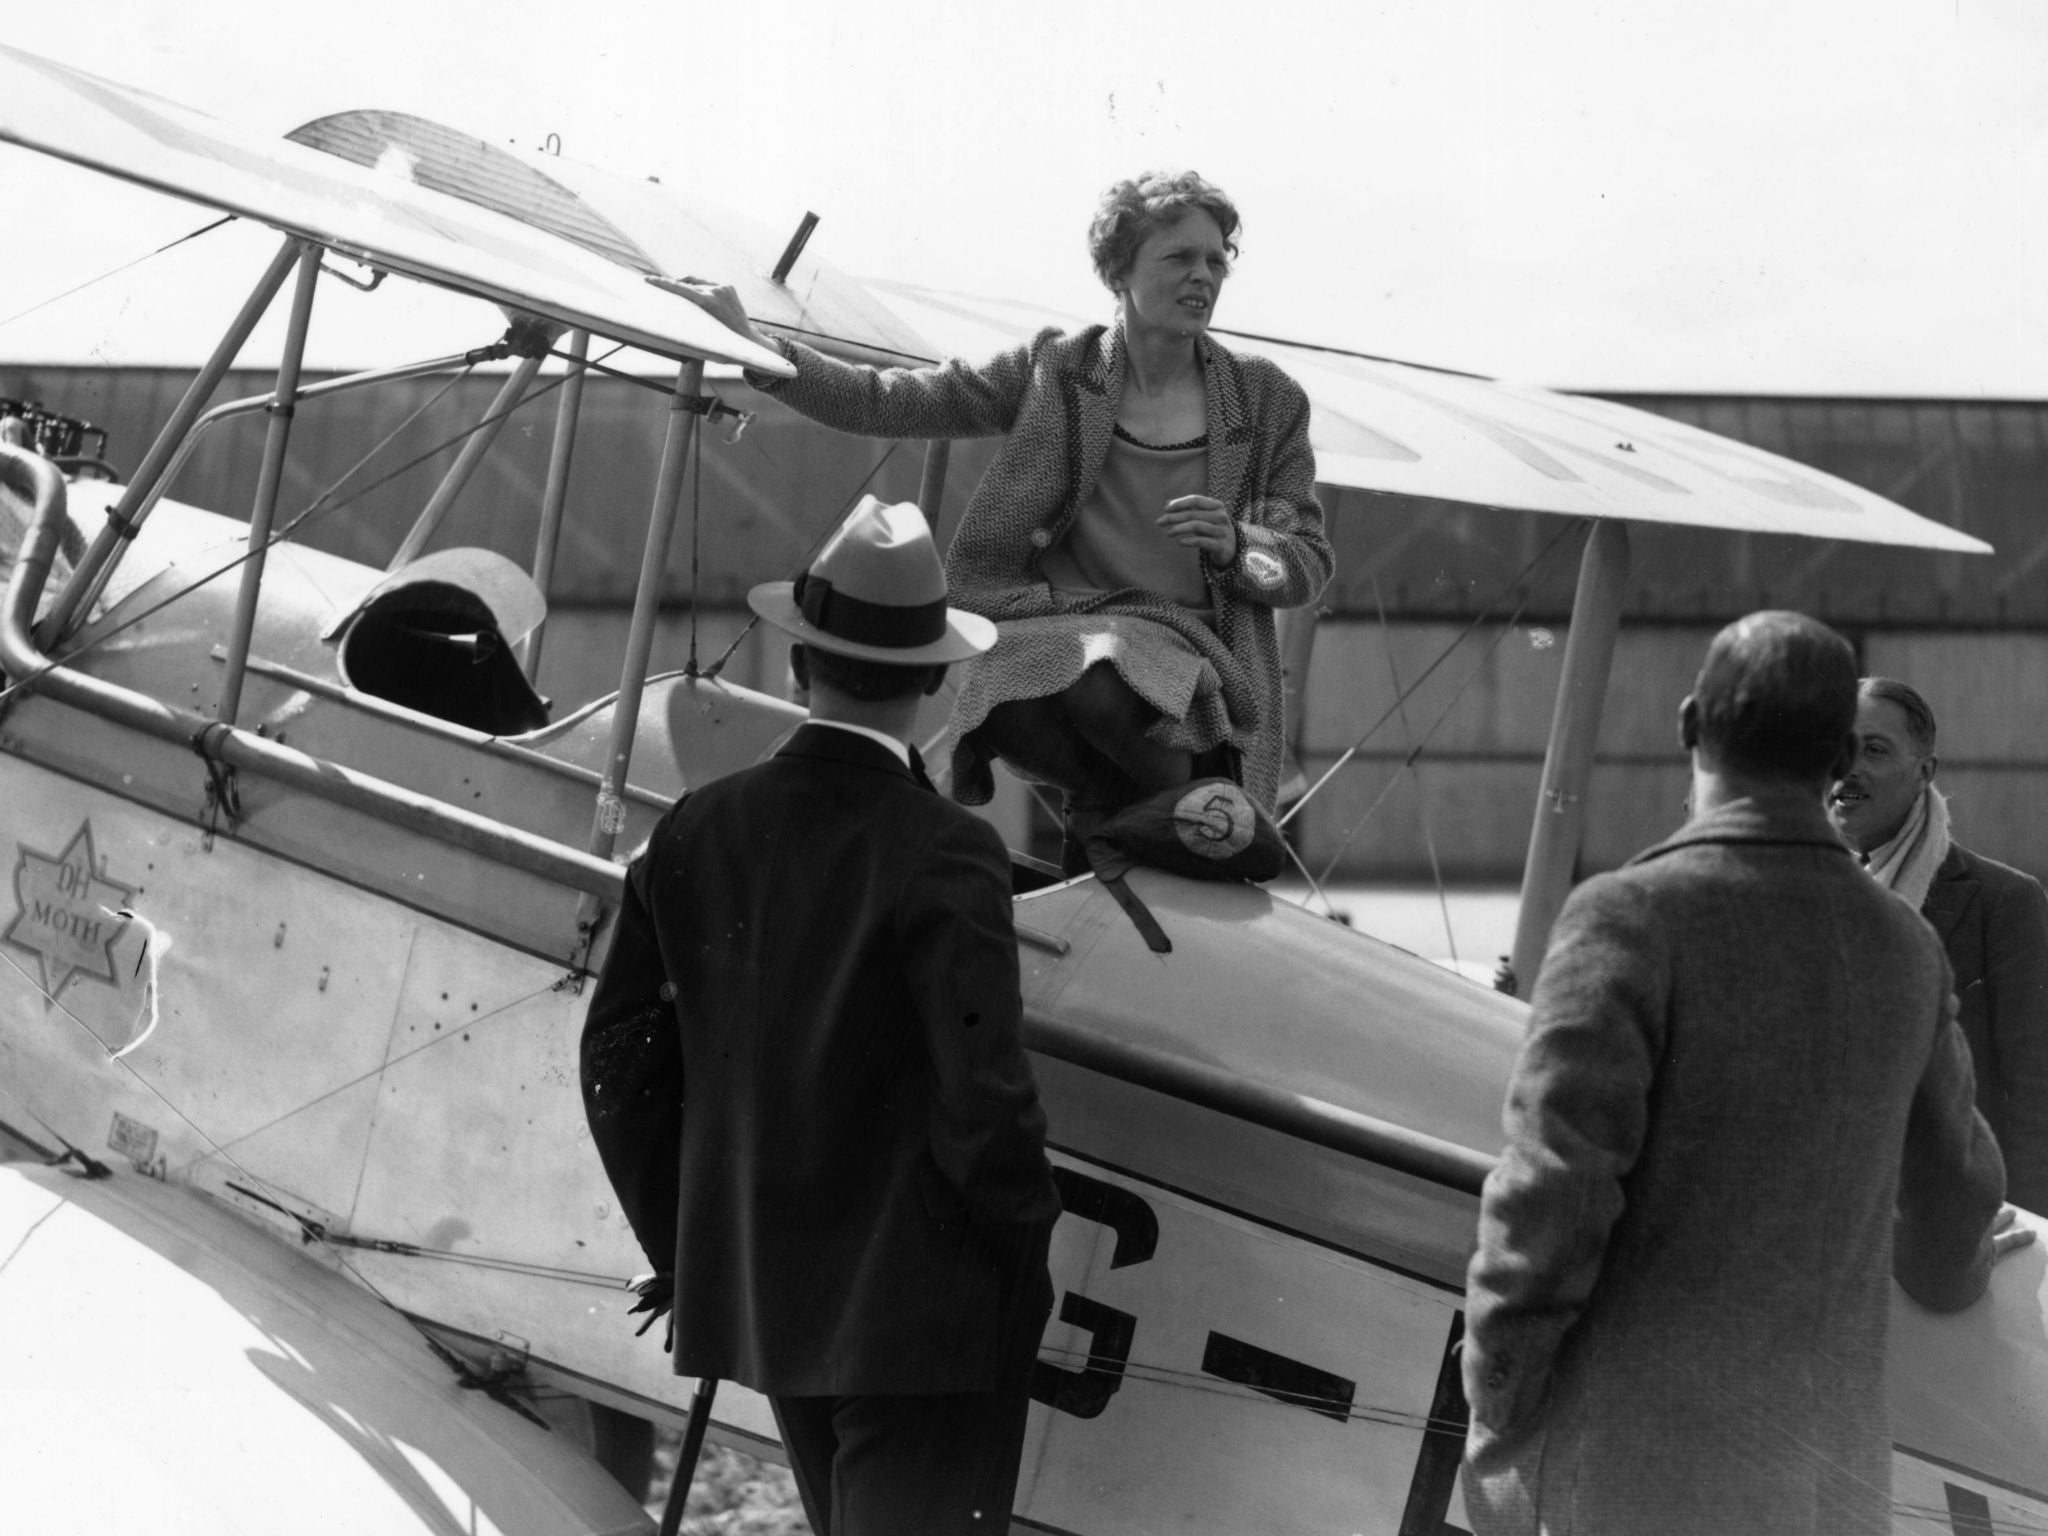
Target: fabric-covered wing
[
  {"x": 380, "y": 216},
  {"x": 171, "y": 1367},
  {"x": 638, "y": 224}
]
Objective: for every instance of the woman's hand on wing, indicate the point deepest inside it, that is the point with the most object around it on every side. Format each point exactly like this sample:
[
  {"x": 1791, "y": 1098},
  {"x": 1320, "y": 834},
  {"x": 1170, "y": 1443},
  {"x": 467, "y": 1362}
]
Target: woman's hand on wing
[
  {"x": 1201, "y": 523},
  {"x": 719, "y": 301}
]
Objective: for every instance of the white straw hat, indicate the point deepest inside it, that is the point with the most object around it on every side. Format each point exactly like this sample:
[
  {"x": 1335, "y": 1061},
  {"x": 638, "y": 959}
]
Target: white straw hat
[{"x": 876, "y": 592}]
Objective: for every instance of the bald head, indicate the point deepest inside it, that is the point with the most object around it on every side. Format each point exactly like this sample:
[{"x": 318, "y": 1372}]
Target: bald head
[{"x": 1776, "y": 699}]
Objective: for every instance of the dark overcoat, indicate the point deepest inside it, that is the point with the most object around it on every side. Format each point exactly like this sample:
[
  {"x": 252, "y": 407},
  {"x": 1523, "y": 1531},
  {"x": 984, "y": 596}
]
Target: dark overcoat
[
  {"x": 1993, "y": 920},
  {"x": 1055, "y": 399},
  {"x": 803, "y": 1073},
  {"x": 1677, "y": 1311}
]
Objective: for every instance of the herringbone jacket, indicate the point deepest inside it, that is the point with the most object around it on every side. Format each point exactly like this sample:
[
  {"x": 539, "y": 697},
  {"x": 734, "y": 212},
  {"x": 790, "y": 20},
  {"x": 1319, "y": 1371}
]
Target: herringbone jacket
[{"x": 1056, "y": 398}]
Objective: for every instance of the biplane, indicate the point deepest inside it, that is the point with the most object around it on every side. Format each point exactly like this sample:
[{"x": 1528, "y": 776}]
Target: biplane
[{"x": 298, "y": 1216}]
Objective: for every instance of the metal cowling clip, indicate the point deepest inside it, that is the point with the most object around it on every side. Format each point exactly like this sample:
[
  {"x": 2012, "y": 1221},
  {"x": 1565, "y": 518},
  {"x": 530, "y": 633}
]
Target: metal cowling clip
[
  {"x": 223, "y": 799},
  {"x": 713, "y": 409}
]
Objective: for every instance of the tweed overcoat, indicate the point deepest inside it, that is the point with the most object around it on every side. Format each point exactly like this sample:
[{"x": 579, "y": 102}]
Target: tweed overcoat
[
  {"x": 1993, "y": 920},
  {"x": 1677, "y": 1311},
  {"x": 1056, "y": 398},
  {"x": 802, "y": 1070}
]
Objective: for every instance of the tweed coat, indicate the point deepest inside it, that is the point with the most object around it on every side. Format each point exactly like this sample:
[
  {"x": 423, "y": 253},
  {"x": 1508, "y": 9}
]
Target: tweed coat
[
  {"x": 1993, "y": 920},
  {"x": 802, "y": 1070},
  {"x": 1056, "y": 398},
  {"x": 1678, "y": 1307}
]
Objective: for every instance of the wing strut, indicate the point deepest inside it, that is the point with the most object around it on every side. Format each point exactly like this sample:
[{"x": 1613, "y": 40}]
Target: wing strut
[
  {"x": 683, "y": 417},
  {"x": 77, "y": 593},
  {"x": 556, "y": 496},
  {"x": 509, "y": 395},
  {"x": 1574, "y": 730},
  {"x": 269, "y": 478}
]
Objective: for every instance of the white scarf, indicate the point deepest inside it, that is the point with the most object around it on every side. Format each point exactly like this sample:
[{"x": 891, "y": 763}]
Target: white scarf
[{"x": 1906, "y": 865}]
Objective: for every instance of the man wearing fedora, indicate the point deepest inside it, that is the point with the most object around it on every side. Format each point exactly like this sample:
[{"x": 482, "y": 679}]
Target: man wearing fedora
[{"x": 803, "y": 1071}]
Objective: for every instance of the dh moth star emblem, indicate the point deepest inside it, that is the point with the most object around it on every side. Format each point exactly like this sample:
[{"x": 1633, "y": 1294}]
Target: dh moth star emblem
[{"x": 65, "y": 913}]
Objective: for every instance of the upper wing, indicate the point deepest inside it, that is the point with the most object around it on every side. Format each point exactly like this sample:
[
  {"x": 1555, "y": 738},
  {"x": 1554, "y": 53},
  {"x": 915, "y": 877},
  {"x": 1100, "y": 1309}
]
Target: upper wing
[
  {"x": 379, "y": 215},
  {"x": 637, "y": 224}
]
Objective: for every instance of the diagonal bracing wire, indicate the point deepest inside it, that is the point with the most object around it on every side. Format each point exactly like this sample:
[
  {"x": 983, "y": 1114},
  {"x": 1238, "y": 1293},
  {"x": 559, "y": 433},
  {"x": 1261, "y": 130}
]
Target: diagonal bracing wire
[
  {"x": 321, "y": 506},
  {"x": 1416, "y": 751},
  {"x": 337, "y": 1243},
  {"x": 57, "y": 298},
  {"x": 1415, "y": 773},
  {"x": 1388, "y": 713},
  {"x": 804, "y": 560}
]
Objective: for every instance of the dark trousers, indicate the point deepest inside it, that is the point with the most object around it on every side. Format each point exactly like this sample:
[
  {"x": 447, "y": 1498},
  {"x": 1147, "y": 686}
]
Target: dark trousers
[
  {"x": 1089, "y": 740},
  {"x": 905, "y": 1465}
]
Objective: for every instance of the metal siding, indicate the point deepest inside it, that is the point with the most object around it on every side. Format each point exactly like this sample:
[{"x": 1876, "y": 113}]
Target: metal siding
[{"x": 1982, "y": 466}]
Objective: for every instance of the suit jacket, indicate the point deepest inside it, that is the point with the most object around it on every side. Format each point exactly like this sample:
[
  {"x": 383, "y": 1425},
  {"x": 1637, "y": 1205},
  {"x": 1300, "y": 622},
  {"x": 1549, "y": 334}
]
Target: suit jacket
[
  {"x": 1677, "y": 1311},
  {"x": 1993, "y": 920},
  {"x": 803, "y": 1072},
  {"x": 1055, "y": 400}
]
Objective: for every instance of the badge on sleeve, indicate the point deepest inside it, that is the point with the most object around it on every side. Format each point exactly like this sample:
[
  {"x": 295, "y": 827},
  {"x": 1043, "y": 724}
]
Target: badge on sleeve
[{"x": 1264, "y": 570}]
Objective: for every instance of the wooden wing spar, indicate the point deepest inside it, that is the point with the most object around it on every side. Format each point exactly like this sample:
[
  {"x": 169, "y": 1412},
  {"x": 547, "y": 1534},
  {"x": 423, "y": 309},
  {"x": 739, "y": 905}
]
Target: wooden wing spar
[{"x": 381, "y": 214}]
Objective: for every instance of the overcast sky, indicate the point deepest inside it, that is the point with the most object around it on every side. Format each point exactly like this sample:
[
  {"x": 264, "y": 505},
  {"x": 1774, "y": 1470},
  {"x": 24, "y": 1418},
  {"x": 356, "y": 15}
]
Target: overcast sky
[{"x": 1838, "y": 196}]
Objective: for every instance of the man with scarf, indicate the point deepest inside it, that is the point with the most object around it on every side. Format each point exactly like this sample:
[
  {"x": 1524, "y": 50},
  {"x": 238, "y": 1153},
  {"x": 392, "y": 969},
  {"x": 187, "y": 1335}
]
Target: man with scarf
[{"x": 1992, "y": 918}]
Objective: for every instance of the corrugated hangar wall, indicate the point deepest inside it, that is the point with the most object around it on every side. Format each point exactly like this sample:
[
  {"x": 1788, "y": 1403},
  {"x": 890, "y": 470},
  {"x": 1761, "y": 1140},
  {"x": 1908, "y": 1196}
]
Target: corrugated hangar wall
[{"x": 1417, "y": 581}]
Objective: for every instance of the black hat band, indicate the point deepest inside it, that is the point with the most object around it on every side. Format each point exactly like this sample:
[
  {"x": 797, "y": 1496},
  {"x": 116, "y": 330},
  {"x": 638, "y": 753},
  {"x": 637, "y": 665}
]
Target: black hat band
[{"x": 864, "y": 623}]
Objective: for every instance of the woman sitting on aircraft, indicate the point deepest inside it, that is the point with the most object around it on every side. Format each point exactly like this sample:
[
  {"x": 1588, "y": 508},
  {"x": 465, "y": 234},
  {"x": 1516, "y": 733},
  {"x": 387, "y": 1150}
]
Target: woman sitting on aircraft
[{"x": 1153, "y": 504}]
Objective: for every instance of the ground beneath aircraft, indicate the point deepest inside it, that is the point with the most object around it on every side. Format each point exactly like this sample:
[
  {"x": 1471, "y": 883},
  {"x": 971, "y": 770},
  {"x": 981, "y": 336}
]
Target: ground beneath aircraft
[{"x": 734, "y": 1495}]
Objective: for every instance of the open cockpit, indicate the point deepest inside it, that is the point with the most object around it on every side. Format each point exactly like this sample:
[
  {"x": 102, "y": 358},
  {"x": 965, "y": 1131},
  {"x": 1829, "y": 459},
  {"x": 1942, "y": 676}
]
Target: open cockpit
[{"x": 441, "y": 636}]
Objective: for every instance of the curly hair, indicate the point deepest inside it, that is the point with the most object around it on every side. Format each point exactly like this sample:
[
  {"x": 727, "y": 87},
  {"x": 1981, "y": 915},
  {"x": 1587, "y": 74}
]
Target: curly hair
[{"x": 1131, "y": 210}]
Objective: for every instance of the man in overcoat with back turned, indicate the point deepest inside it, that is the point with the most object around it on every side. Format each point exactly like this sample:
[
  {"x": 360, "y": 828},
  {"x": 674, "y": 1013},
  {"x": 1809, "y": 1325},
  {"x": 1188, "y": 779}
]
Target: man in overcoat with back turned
[
  {"x": 803, "y": 1071},
  {"x": 1741, "y": 1062}
]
